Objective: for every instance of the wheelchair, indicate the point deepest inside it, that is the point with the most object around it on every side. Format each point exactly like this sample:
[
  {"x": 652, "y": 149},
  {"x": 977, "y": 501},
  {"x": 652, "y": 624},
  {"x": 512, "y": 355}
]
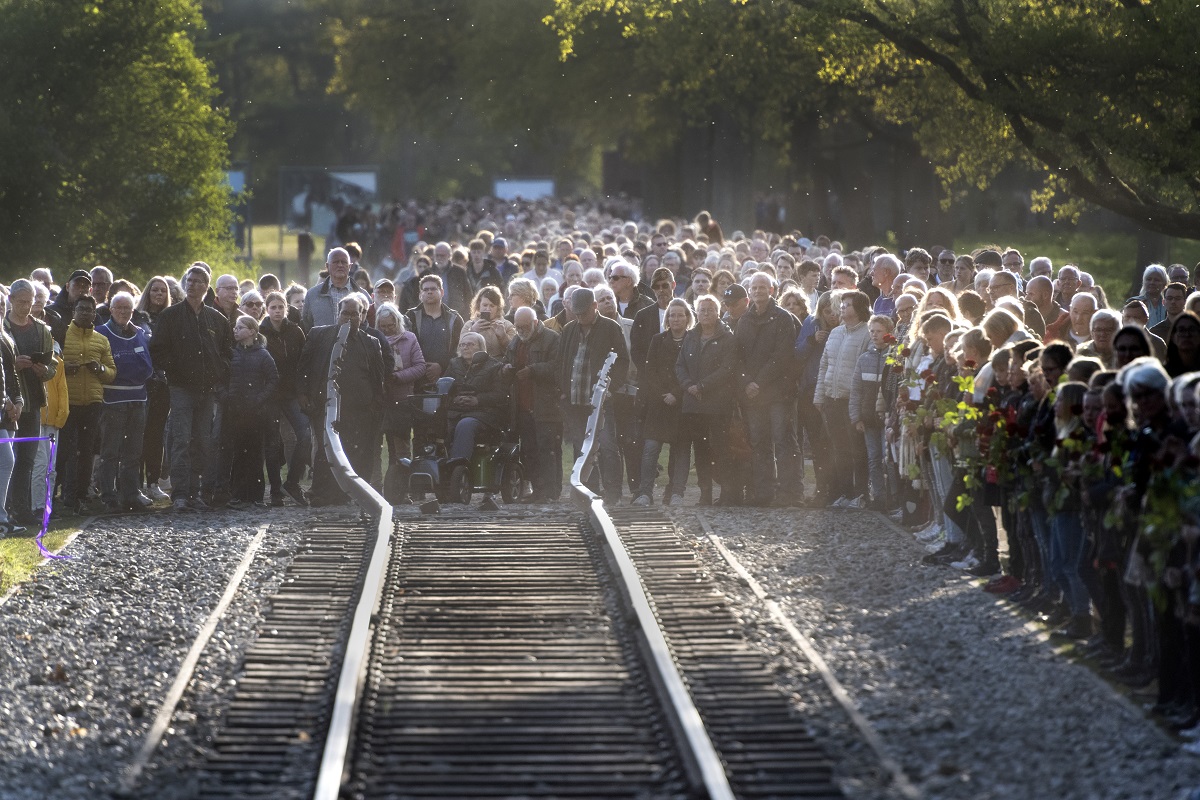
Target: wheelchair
[{"x": 493, "y": 468}]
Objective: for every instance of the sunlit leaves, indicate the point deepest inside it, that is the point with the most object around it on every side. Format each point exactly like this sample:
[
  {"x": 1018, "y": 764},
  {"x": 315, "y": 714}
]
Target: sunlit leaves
[{"x": 110, "y": 148}]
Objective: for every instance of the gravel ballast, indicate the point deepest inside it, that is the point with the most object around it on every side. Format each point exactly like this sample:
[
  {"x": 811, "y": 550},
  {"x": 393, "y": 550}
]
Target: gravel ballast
[
  {"x": 972, "y": 700},
  {"x": 92, "y": 644}
]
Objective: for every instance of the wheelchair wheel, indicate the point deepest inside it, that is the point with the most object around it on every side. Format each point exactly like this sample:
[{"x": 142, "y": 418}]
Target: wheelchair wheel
[
  {"x": 460, "y": 486},
  {"x": 510, "y": 483}
]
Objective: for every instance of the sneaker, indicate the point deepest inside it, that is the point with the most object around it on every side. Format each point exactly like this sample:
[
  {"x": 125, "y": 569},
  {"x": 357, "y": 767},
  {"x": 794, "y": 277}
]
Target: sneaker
[
  {"x": 641, "y": 501},
  {"x": 180, "y": 504},
  {"x": 970, "y": 561},
  {"x": 841, "y": 502},
  {"x": 669, "y": 500},
  {"x": 857, "y": 503},
  {"x": 140, "y": 502},
  {"x": 238, "y": 505},
  {"x": 929, "y": 532},
  {"x": 155, "y": 492},
  {"x": 294, "y": 492},
  {"x": 897, "y": 515},
  {"x": 198, "y": 504},
  {"x": 936, "y": 545}
]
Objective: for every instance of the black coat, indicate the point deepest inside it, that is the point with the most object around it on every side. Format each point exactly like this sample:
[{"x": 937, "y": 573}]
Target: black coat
[
  {"x": 543, "y": 364},
  {"x": 657, "y": 380},
  {"x": 645, "y": 327},
  {"x": 766, "y": 351},
  {"x": 486, "y": 381},
  {"x": 314, "y": 368},
  {"x": 606, "y": 338},
  {"x": 193, "y": 350},
  {"x": 285, "y": 346},
  {"x": 710, "y": 364}
]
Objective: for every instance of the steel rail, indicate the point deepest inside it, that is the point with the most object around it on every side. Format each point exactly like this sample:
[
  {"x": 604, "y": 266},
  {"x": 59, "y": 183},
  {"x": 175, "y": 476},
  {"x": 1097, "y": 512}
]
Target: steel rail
[
  {"x": 705, "y": 765},
  {"x": 345, "y": 703}
]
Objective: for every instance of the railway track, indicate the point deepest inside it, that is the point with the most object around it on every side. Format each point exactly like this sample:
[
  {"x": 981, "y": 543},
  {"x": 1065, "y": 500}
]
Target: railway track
[{"x": 570, "y": 654}]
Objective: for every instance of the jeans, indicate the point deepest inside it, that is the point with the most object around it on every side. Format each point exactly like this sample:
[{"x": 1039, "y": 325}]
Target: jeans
[
  {"x": 121, "y": 452},
  {"x": 40, "y": 481},
  {"x": 676, "y": 482},
  {"x": 873, "y": 438},
  {"x": 29, "y": 425},
  {"x": 773, "y": 457},
  {"x": 609, "y": 457},
  {"x": 7, "y": 460},
  {"x": 191, "y": 427},
  {"x": 1067, "y": 548},
  {"x": 465, "y": 432},
  {"x": 76, "y": 450},
  {"x": 301, "y": 455}
]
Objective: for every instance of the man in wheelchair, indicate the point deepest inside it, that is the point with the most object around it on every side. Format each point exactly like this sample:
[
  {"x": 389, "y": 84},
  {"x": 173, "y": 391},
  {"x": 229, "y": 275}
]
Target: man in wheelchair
[{"x": 479, "y": 403}]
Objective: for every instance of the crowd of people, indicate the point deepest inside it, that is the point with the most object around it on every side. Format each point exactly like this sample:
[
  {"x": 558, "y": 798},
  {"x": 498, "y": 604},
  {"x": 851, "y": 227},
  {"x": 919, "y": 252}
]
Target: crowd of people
[{"x": 964, "y": 395}]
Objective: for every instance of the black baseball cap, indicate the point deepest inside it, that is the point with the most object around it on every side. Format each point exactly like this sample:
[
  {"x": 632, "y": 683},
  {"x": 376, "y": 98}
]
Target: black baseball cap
[{"x": 735, "y": 292}]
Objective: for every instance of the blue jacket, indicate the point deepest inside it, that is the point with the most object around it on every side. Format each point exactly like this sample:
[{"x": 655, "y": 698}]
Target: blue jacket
[{"x": 131, "y": 354}]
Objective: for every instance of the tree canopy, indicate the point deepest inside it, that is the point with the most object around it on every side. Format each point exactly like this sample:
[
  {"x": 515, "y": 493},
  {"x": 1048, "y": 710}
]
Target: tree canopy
[
  {"x": 1098, "y": 94},
  {"x": 111, "y": 150}
]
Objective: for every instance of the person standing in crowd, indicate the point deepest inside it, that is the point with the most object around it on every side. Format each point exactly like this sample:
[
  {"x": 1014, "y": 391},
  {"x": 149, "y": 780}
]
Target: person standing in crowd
[
  {"x": 249, "y": 401},
  {"x": 322, "y": 300},
  {"x": 192, "y": 346},
  {"x": 1174, "y": 300},
  {"x": 835, "y": 376},
  {"x": 62, "y": 310},
  {"x": 706, "y": 370},
  {"x": 35, "y": 364},
  {"x": 124, "y": 409},
  {"x": 89, "y": 365},
  {"x": 487, "y": 319},
  {"x": 532, "y": 362},
  {"x": 585, "y": 344},
  {"x": 661, "y": 397},
  {"x": 408, "y": 371},
  {"x": 765, "y": 337},
  {"x": 362, "y": 386},
  {"x": 156, "y": 299},
  {"x": 866, "y": 404},
  {"x": 13, "y": 408},
  {"x": 437, "y": 328},
  {"x": 285, "y": 341}
]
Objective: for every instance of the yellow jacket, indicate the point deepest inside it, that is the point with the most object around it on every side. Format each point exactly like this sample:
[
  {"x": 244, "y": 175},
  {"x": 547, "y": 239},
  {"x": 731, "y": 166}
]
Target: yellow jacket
[
  {"x": 55, "y": 412},
  {"x": 81, "y": 346}
]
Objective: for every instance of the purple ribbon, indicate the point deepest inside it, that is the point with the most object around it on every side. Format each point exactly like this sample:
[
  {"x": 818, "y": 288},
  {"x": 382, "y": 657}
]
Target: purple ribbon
[{"x": 49, "y": 486}]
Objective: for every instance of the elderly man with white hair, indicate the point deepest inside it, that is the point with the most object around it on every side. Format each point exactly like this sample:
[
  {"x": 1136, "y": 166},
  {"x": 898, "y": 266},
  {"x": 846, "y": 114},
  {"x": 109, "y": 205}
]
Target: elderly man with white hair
[
  {"x": 883, "y": 275},
  {"x": 362, "y": 390},
  {"x": 1068, "y": 285},
  {"x": 532, "y": 366},
  {"x": 1075, "y": 327}
]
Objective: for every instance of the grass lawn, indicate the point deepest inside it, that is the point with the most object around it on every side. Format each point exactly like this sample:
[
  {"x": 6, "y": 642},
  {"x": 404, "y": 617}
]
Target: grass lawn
[{"x": 19, "y": 558}]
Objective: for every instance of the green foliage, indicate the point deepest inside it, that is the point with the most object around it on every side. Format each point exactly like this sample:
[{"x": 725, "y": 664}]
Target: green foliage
[
  {"x": 1099, "y": 94},
  {"x": 110, "y": 148}
]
